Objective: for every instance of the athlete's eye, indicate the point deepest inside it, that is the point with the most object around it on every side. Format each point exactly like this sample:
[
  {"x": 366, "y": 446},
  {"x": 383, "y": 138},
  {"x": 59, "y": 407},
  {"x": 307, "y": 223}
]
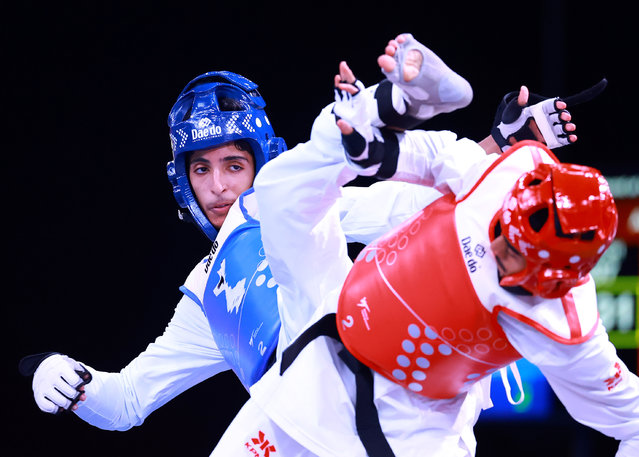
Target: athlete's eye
[{"x": 199, "y": 169}]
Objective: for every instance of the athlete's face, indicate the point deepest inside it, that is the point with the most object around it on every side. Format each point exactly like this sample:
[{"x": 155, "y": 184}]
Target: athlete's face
[
  {"x": 218, "y": 176},
  {"x": 509, "y": 260}
]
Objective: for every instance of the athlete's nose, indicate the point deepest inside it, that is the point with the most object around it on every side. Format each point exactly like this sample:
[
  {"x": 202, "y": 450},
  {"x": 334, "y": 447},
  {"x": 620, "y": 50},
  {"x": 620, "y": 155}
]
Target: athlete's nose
[{"x": 218, "y": 183}]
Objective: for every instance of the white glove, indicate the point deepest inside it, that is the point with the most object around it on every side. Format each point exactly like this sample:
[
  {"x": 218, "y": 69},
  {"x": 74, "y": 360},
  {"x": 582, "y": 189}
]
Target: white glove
[
  {"x": 56, "y": 383},
  {"x": 355, "y": 109},
  {"x": 371, "y": 151}
]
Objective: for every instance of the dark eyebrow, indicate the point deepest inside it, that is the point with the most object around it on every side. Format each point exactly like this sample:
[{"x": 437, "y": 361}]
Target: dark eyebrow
[
  {"x": 231, "y": 158},
  {"x": 223, "y": 159},
  {"x": 199, "y": 159}
]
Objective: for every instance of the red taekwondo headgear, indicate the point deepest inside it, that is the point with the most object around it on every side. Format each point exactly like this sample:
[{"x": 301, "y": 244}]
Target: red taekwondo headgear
[{"x": 561, "y": 218}]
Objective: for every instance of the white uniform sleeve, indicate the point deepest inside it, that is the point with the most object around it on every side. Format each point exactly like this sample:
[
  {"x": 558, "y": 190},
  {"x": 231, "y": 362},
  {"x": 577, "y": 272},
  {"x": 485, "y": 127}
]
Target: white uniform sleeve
[
  {"x": 366, "y": 213},
  {"x": 440, "y": 160},
  {"x": 591, "y": 381},
  {"x": 429, "y": 165},
  {"x": 300, "y": 220},
  {"x": 182, "y": 357},
  {"x": 295, "y": 192}
]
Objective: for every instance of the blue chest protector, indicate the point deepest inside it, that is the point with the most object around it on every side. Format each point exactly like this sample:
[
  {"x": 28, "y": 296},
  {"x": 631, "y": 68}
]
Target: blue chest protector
[{"x": 240, "y": 303}]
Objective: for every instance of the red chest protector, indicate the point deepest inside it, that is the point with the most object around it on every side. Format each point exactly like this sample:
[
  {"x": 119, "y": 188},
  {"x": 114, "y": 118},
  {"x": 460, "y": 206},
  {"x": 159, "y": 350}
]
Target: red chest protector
[
  {"x": 420, "y": 304},
  {"x": 395, "y": 309}
]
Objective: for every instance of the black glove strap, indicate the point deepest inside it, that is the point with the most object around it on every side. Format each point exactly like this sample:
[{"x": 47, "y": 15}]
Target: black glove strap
[
  {"x": 30, "y": 363},
  {"x": 387, "y": 113},
  {"x": 586, "y": 95}
]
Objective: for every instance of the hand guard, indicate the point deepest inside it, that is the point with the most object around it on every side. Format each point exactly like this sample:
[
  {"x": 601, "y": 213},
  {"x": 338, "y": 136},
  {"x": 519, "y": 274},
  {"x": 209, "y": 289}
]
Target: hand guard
[
  {"x": 57, "y": 380},
  {"x": 372, "y": 151},
  {"x": 541, "y": 121}
]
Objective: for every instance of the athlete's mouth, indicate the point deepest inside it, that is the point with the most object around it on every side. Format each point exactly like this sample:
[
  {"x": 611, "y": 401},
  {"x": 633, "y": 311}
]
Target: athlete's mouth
[{"x": 220, "y": 207}]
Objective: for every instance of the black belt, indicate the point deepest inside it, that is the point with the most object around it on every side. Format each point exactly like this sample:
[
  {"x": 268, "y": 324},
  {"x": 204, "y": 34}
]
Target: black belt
[{"x": 366, "y": 417}]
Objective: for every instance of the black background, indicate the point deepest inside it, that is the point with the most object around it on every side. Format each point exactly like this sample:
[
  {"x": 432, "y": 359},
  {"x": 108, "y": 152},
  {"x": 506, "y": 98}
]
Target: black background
[{"x": 95, "y": 254}]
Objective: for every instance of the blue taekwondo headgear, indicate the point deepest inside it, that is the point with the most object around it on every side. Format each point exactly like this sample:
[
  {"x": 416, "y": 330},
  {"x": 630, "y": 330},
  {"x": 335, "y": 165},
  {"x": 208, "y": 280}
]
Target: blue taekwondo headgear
[{"x": 198, "y": 120}]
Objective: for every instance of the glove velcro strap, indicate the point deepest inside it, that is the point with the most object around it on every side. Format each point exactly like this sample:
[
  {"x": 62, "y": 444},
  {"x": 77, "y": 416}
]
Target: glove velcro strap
[
  {"x": 388, "y": 166},
  {"x": 383, "y": 154},
  {"x": 30, "y": 363},
  {"x": 387, "y": 112}
]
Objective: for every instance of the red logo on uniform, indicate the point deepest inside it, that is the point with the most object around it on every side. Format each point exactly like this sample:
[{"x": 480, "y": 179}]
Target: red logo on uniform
[
  {"x": 264, "y": 446},
  {"x": 365, "y": 310},
  {"x": 615, "y": 379}
]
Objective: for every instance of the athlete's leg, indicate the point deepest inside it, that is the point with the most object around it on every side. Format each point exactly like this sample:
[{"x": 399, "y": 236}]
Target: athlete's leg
[{"x": 430, "y": 85}]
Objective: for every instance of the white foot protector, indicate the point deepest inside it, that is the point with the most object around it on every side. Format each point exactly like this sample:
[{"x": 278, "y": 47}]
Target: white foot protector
[{"x": 436, "y": 89}]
